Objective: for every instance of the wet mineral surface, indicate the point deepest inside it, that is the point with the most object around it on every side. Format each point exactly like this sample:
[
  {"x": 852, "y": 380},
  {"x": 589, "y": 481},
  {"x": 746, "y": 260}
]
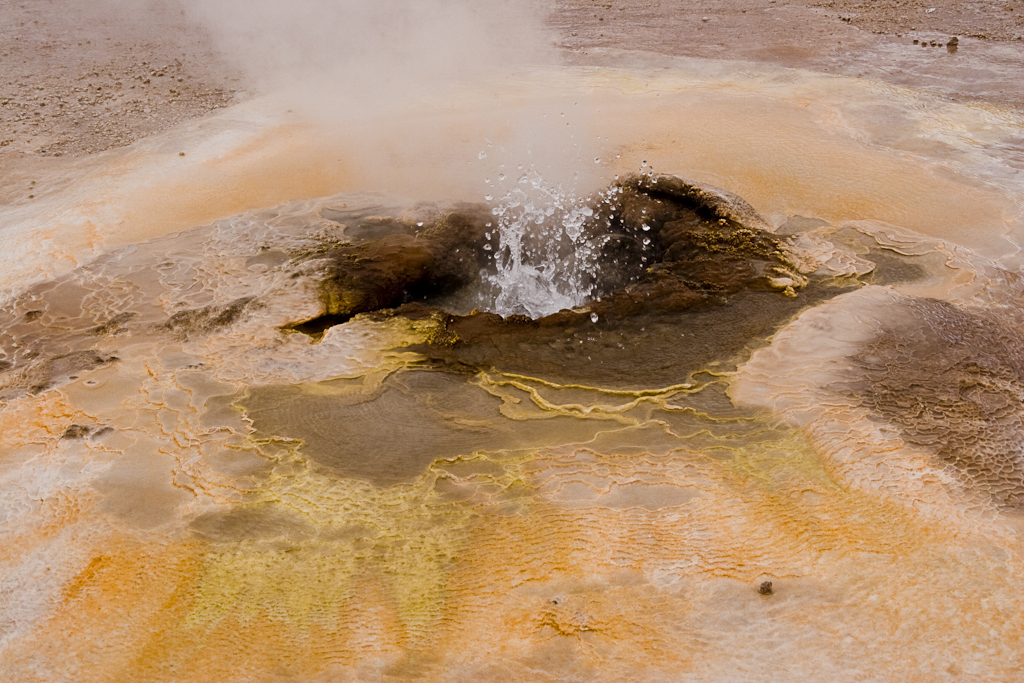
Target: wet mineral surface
[
  {"x": 311, "y": 442},
  {"x": 265, "y": 449}
]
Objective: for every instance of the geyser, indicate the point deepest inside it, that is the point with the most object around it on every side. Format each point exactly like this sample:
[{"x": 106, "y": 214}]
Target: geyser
[
  {"x": 329, "y": 434},
  {"x": 646, "y": 242}
]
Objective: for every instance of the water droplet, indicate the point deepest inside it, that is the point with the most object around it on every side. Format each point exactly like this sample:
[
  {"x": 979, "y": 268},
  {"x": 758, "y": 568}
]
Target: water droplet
[
  {"x": 420, "y": 224},
  {"x": 488, "y": 197},
  {"x": 593, "y": 317},
  {"x": 487, "y": 180},
  {"x": 487, "y": 247},
  {"x": 501, "y": 176},
  {"x": 645, "y": 227},
  {"x": 647, "y": 241},
  {"x": 597, "y": 160},
  {"x": 617, "y": 156},
  {"x": 481, "y": 155},
  {"x": 643, "y": 163}
]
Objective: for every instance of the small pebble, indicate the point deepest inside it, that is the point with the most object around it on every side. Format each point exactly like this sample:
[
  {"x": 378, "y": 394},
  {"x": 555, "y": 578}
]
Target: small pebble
[
  {"x": 765, "y": 588},
  {"x": 181, "y": 154}
]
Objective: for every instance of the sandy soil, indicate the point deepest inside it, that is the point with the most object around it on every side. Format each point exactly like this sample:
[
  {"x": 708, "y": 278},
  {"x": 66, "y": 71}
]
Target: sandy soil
[
  {"x": 79, "y": 77},
  {"x": 903, "y": 42}
]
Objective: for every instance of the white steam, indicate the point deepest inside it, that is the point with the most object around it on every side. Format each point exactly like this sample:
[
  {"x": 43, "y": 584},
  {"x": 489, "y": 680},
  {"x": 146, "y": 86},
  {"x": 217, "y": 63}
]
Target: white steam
[{"x": 362, "y": 54}]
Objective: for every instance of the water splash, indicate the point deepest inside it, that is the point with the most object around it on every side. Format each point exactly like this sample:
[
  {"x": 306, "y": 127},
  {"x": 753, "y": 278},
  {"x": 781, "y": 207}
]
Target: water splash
[{"x": 546, "y": 256}]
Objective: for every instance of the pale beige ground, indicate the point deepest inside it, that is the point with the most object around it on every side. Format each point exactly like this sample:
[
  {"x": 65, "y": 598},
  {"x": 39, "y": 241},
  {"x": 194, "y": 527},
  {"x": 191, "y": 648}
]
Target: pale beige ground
[{"x": 901, "y": 42}]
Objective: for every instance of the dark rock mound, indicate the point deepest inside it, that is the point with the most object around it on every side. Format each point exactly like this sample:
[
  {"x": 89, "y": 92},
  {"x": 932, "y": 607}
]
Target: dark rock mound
[
  {"x": 399, "y": 267},
  {"x": 667, "y": 245},
  {"x": 705, "y": 248}
]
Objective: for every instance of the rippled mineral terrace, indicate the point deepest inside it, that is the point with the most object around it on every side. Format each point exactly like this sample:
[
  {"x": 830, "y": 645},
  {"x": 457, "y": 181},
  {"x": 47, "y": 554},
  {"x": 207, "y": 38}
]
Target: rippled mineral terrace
[{"x": 260, "y": 418}]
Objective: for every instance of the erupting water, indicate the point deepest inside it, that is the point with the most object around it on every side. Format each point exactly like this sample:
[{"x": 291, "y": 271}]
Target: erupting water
[
  {"x": 548, "y": 247},
  {"x": 545, "y": 259}
]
